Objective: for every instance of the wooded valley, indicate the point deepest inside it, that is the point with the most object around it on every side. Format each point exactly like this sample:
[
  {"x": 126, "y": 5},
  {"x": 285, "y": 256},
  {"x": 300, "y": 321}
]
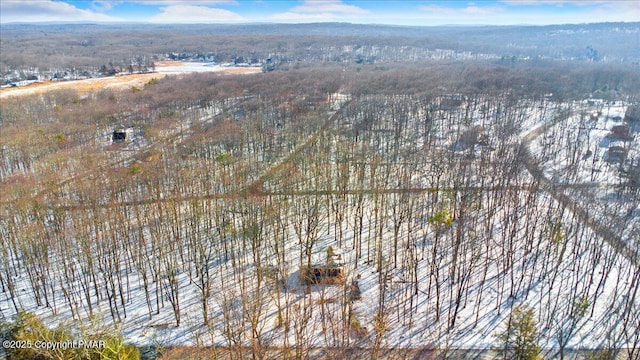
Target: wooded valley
[{"x": 428, "y": 208}]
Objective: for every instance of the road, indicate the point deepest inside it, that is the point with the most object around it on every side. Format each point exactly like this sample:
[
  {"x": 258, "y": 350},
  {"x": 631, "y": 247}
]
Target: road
[{"x": 606, "y": 232}]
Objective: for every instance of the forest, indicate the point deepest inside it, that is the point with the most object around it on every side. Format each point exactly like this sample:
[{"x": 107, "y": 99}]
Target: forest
[
  {"x": 326, "y": 209},
  {"x": 42, "y": 51}
]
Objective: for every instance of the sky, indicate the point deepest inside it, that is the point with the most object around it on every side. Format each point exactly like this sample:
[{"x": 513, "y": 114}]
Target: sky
[{"x": 411, "y": 12}]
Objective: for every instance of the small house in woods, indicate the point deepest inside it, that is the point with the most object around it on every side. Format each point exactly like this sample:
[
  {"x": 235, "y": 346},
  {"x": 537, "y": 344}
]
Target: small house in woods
[
  {"x": 473, "y": 136},
  {"x": 329, "y": 273},
  {"x": 321, "y": 274},
  {"x": 124, "y": 135},
  {"x": 621, "y": 132},
  {"x": 451, "y": 101},
  {"x": 119, "y": 136},
  {"x": 595, "y": 102}
]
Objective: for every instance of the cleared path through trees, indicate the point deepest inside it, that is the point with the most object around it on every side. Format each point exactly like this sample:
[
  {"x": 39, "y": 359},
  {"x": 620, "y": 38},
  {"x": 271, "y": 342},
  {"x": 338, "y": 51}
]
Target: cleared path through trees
[{"x": 556, "y": 190}]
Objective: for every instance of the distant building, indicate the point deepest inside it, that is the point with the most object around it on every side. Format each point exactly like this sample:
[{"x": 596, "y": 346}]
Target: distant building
[
  {"x": 119, "y": 136},
  {"x": 595, "y": 102},
  {"x": 621, "y": 132},
  {"x": 473, "y": 136},
  {"x": 321, "y": 274},
  {"x": 452, "y": 101},
  {"x": 124, "y": 135}
]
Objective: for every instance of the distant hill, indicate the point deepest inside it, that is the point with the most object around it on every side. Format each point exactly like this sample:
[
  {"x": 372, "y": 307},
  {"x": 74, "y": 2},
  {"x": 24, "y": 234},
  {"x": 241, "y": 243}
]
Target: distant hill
[{"x": 92, "y": 45}]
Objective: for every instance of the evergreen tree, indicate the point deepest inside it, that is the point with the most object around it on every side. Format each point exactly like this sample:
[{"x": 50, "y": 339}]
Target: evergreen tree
[{"x": 520, "y": 339}]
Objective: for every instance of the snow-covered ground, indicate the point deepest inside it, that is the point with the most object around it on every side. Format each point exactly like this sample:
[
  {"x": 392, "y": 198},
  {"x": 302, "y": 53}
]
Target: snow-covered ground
[
  {"x": 549, "y": 288},
  {"x": 443, "y": 286},
  {"x": 575, "y": 153}
]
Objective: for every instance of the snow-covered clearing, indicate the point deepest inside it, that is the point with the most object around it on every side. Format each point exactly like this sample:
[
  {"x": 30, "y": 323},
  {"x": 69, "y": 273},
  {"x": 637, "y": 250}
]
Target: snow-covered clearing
[{"x": 577, "y": 154}]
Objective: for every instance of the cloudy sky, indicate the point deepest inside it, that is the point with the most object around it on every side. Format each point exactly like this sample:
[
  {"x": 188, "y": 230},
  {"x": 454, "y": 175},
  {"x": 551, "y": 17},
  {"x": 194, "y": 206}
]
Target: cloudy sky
[{"x": 412, "y": 12}]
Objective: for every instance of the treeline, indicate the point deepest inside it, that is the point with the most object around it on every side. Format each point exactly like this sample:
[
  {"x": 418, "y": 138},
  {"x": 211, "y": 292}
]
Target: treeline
[
  {"x": 62, "y": 122},
  {"x": 42, "y": 48}
]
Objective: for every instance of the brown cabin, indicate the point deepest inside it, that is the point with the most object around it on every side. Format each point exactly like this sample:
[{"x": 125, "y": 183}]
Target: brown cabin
[
  {"x": 473, "y": 136},
  {"x": 321, "y": 274},
  {"x": 451, "y": 101},
  {"x": 621, "y": 132}
]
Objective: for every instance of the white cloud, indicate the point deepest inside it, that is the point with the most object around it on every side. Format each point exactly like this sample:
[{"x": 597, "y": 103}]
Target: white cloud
[
  {"x": 194, "y": 14},
  {"x": 471, "y": 10},
  {"x": 294, "y": 17},
  {"x": 47, "y": 10},
  {"x": 589, "y": 11},
  {"x": 328, "y": 6},
  {"x": 612, "y": 5},
  {"x": 186, "y": 2},
  {"x": 103, "y": 6},
  {"x": 553, "y": 2},
  {"x": 471, "y": 15},
  {"x": 321, "y": 10},
  {"x": 544, "y": 14}
]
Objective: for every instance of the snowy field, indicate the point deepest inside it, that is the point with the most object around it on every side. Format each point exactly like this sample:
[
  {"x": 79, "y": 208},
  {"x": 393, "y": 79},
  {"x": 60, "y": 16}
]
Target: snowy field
[
  {"x": 176, "y": 67},
  {"x": 576, "y": 153}
]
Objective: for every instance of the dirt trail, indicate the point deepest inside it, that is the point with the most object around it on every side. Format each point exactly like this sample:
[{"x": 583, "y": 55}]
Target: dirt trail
[{"x": 609, "y": 235}]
